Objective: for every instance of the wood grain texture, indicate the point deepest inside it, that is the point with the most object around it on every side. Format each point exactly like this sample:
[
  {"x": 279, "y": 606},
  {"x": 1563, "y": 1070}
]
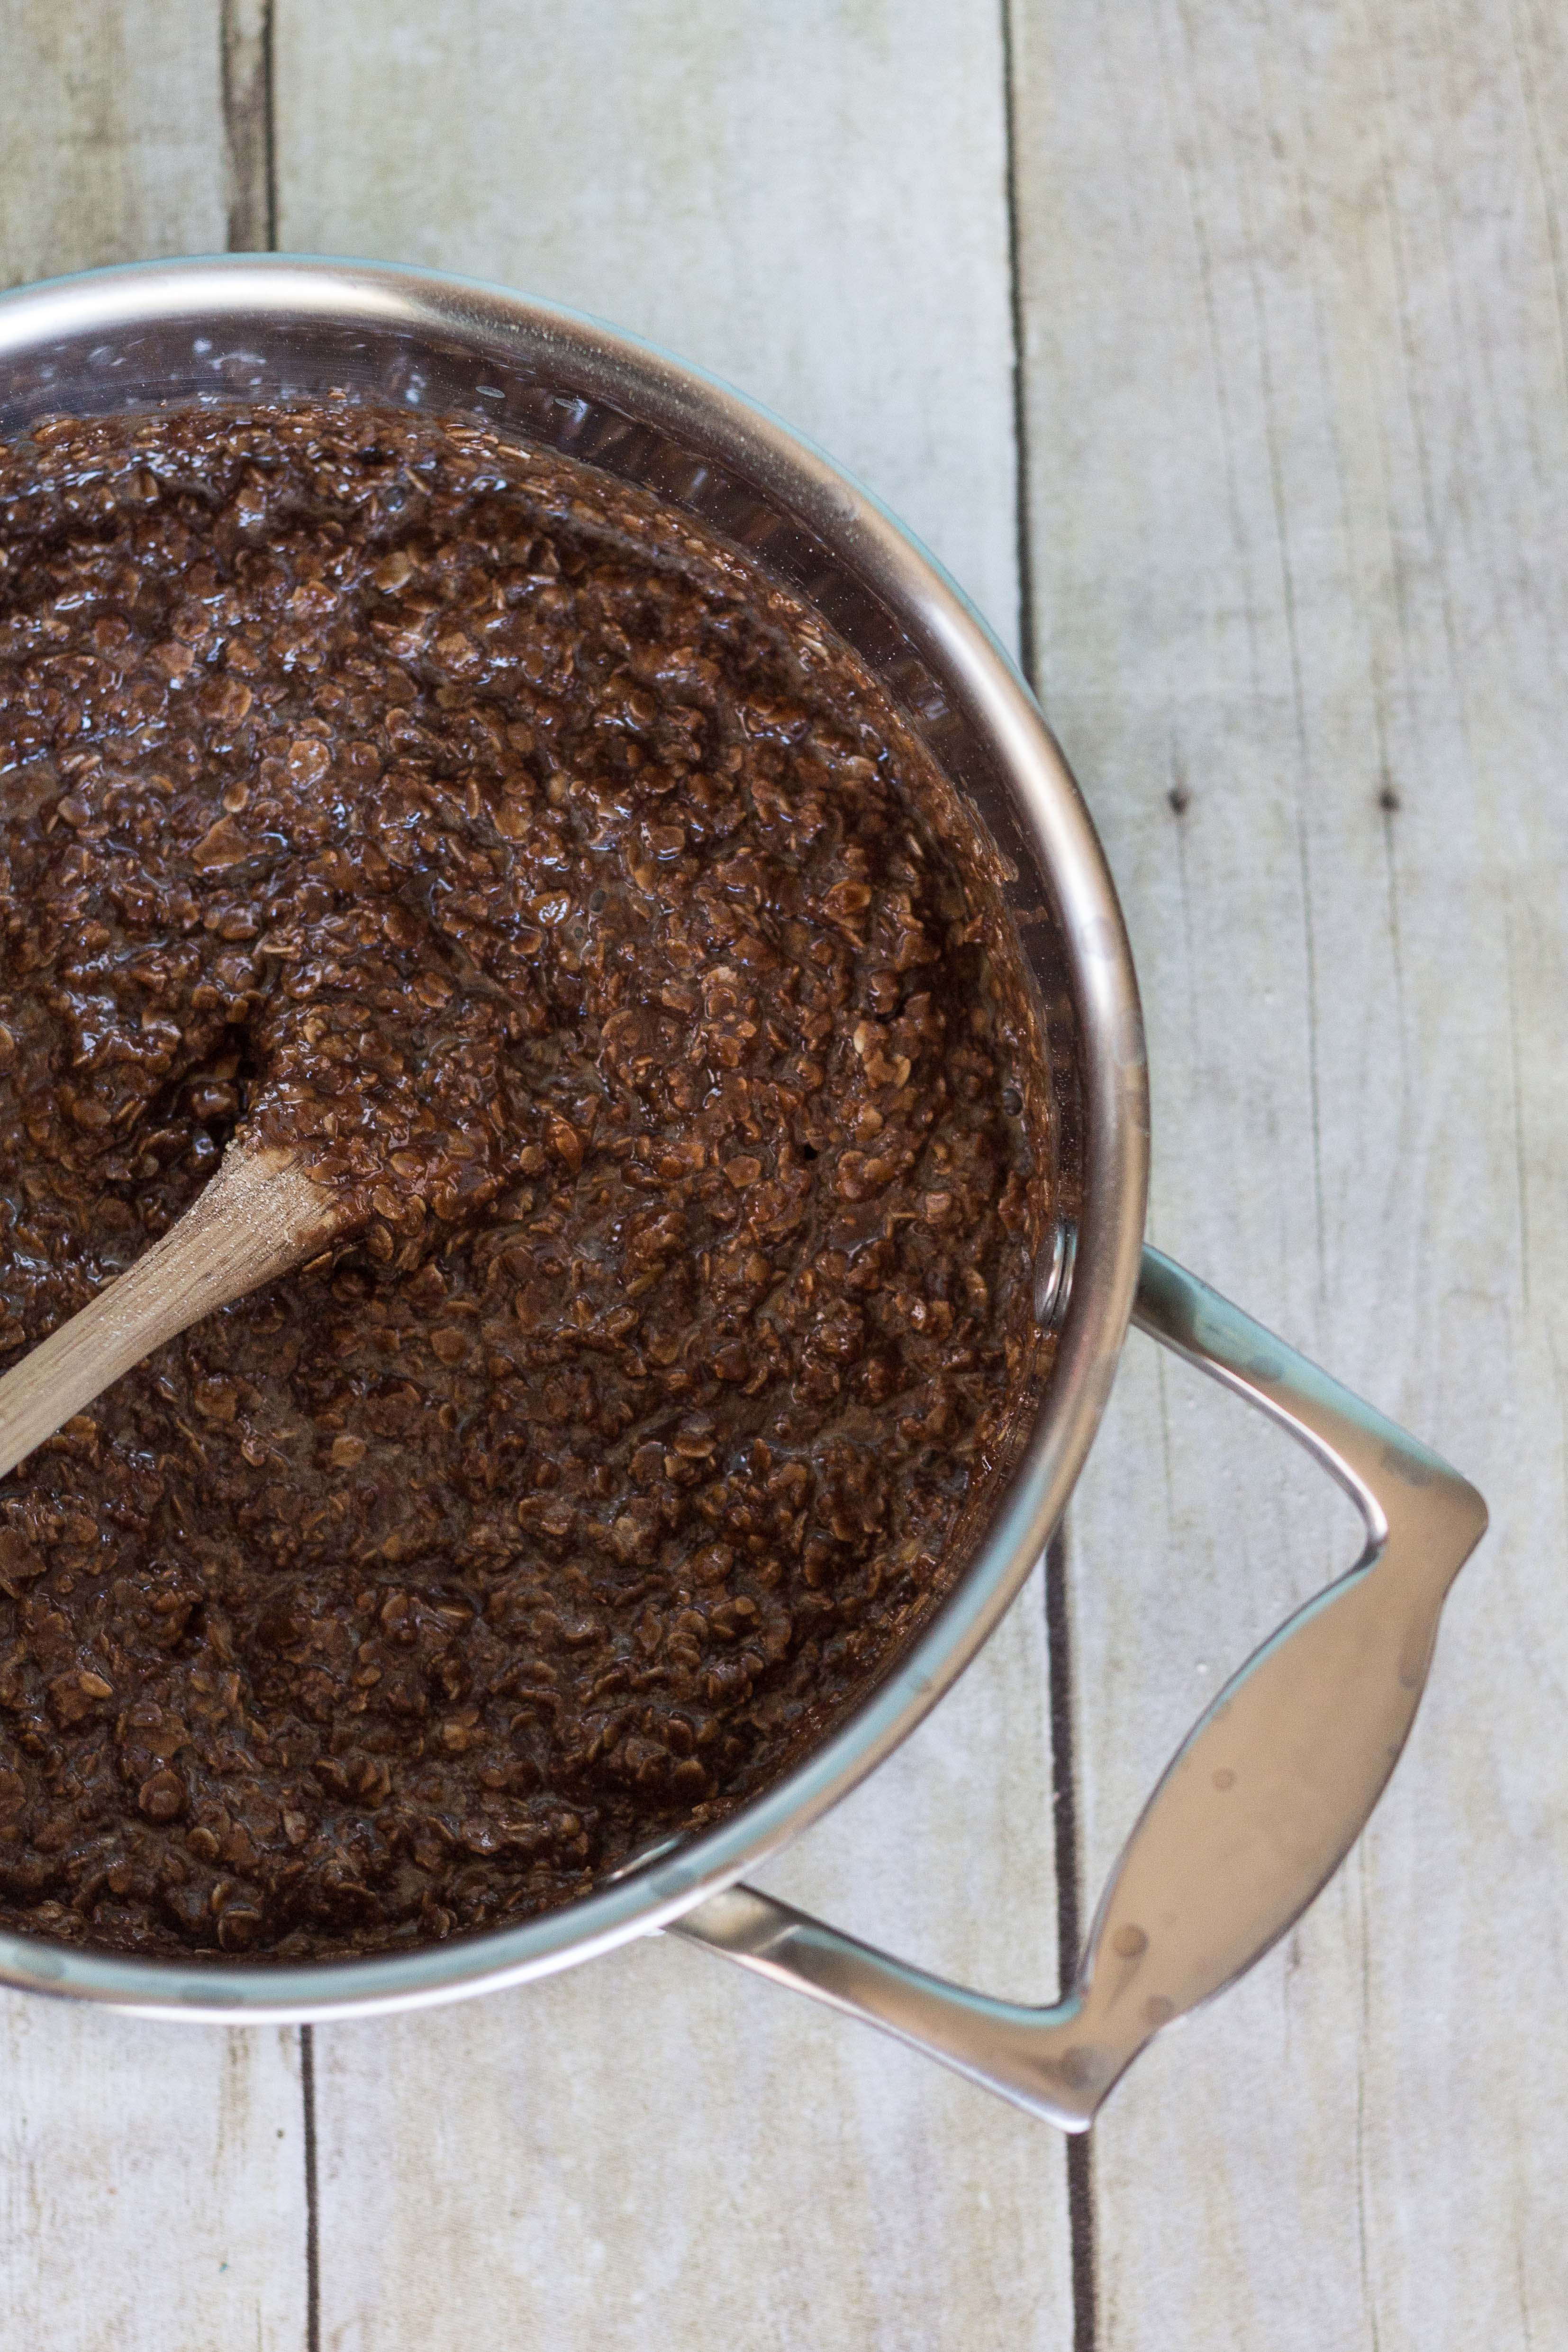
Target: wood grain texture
[
  {"x": 151, "y": 2178},
  {"x": 807, "y": 198},
  {"x": 811, "y": 201},
  {"x": 110, "y": 132},
  {"x": 258, "y": 1219},
  {"x": 152, "y": 2184},
  {"x": 1296, "y": 424}
]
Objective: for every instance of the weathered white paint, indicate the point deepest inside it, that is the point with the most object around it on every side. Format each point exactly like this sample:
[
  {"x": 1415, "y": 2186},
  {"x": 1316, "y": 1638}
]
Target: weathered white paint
[
  {"x": 1297, "y": 436},
  {"x": 111, "y": 145},
  {"x": 806, "y": 195},
  {"x": 152, "y": 2184}
]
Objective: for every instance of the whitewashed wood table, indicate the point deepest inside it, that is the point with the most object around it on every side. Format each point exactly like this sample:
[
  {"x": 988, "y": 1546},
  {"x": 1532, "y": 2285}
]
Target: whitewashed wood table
[{"x": 1220, "y": 351}]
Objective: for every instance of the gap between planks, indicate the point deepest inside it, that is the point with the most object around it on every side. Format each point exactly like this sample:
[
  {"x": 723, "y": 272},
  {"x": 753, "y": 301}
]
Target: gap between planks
[
  {"x": 250, "y": 146},
  {"x": 1080, "y": 2166}
]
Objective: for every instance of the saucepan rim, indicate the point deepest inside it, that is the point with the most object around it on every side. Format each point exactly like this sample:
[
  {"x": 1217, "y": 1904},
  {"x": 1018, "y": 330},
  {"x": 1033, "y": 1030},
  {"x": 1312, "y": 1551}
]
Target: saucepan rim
[{"x": 48, "y": 333}]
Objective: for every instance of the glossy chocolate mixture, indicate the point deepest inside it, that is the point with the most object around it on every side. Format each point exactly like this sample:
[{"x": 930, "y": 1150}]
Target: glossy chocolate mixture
[{"x": 477, "y": 828}]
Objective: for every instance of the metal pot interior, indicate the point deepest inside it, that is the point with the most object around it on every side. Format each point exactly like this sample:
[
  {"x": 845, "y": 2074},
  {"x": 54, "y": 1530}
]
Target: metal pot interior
[{"x": 225, "y": 332}]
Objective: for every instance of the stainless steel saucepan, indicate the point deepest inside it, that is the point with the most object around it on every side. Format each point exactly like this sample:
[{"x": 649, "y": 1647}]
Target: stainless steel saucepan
[{"x": 1273, "y": 1784}]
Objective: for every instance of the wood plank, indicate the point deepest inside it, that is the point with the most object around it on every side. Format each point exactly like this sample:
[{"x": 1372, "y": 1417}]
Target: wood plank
[
  {"x": 655, "y": 2150},
  {"x": 153, "y": 2182},
  {"x": 808, "y": 200},
  {"x": 111, "y": 127},
  {"x": 1296, "y": 425}
]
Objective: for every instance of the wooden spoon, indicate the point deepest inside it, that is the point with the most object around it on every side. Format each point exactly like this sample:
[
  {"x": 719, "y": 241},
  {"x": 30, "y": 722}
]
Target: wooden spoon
[{"x": 260, "y": 1216}]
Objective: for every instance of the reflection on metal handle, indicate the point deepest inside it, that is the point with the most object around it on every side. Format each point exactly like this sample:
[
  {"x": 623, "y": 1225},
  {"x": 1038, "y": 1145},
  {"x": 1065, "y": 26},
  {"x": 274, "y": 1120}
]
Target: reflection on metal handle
[{"x": 1258, "y": 1808}]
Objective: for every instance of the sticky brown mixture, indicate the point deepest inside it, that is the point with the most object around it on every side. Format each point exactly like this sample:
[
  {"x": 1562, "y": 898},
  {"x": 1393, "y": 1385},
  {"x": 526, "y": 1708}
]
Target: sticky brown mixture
[{"x": 476, "y": 827}]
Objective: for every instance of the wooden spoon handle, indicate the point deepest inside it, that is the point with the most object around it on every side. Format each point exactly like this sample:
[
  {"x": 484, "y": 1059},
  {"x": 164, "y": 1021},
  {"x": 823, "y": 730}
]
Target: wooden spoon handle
[{"x": 260, "y": 1216}]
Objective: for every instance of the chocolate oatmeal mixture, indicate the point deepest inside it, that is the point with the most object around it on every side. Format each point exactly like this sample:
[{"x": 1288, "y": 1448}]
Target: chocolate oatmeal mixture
[{"x": 481, "y": 831}]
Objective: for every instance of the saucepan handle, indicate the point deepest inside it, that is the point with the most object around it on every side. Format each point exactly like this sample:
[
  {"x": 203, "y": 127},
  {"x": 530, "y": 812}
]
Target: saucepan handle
[{"x": 1258, "y": 1806}]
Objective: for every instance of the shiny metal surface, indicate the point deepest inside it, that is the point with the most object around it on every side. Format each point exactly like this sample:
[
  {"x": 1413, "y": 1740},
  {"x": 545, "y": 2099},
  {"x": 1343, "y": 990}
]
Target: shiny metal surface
[
  {"x": 1258, "y": 1808},
  {"x": 251, "y": 326}
]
